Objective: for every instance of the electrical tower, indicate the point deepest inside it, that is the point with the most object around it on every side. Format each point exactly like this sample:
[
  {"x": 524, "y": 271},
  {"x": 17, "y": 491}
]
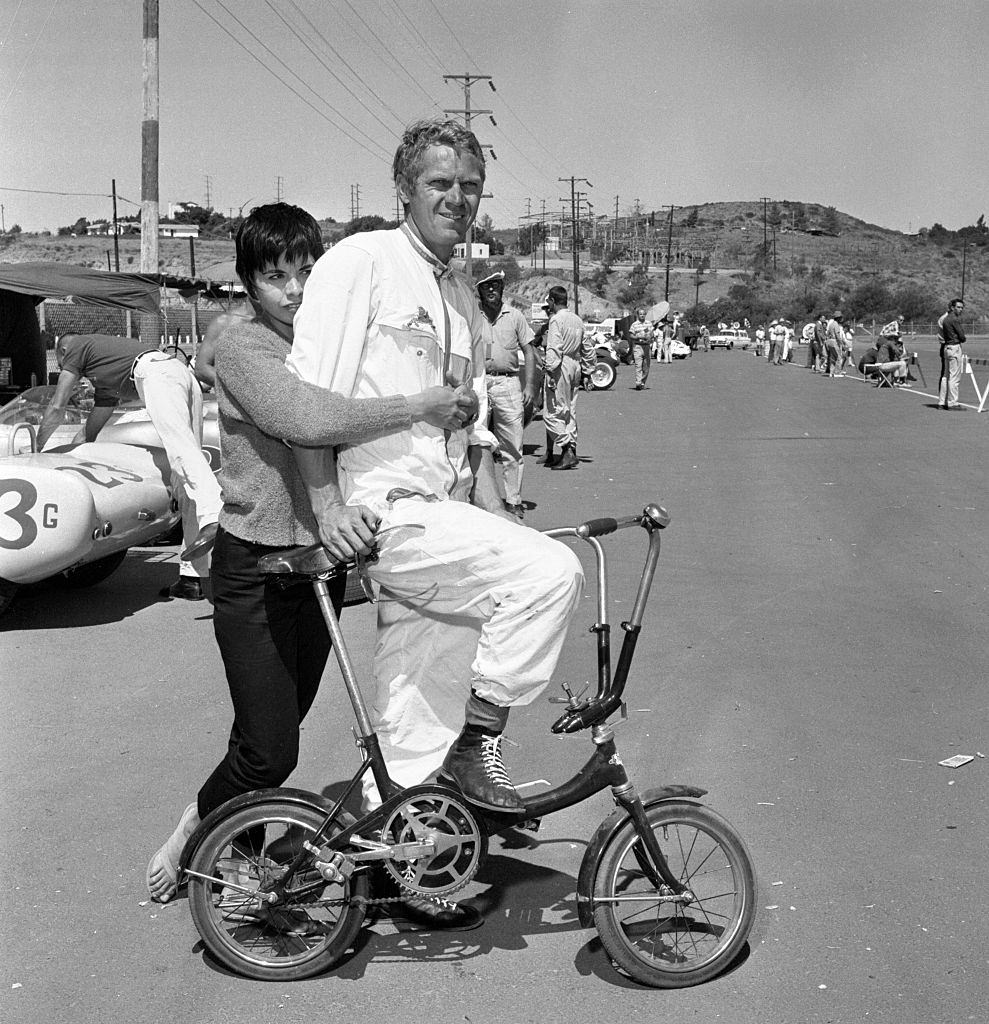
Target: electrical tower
[
  {"x": 279, "y": 182},
  {"x": 468, "y": 113},
  {"x": 209, "y": 197},
  {"x": 355, "y": 201},
  {"x": 575, "y": 235}
]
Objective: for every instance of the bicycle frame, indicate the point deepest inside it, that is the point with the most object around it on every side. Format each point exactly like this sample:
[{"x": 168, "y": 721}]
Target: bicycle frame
[{"x": 604, "y": 768}]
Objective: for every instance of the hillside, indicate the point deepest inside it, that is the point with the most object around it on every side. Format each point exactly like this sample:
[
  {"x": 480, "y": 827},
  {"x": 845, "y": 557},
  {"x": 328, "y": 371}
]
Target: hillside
[{"x": 816, "y": 252}]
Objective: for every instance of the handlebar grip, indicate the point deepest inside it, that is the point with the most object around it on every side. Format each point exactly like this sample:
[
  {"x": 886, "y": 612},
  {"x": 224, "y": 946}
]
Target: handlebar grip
[{"x": 597, "y": 527}]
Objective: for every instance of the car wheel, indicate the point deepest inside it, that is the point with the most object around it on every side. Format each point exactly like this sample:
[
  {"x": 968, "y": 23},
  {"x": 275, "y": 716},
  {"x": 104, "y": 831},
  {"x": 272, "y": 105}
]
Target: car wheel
[
  {"x": 730, "y": 345},
  {"x": 603, "y": 375}
]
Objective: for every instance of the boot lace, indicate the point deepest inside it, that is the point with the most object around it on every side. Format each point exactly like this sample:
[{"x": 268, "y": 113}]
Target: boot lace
[{"x": 494, "y": 766}]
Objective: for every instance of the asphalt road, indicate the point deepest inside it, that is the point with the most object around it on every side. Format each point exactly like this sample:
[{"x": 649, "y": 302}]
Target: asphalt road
[{"x": 816, "y": 643}]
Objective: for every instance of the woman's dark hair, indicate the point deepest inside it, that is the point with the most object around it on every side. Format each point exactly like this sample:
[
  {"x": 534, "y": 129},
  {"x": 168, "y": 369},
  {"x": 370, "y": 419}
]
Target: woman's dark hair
[{"x": 273, "y": 231}]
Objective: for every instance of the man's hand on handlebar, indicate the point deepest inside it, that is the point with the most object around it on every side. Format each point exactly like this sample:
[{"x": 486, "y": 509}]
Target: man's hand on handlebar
[
  {"x": 444, "y": 407},
  {"x": 348, "y": 530}
]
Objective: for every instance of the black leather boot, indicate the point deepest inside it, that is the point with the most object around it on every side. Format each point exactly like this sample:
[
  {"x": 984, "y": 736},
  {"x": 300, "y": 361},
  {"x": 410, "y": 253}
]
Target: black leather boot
[
  {"x": 550, "y": 459},
  {"x": 474, "y": 763},
  {"x": 568, "y": 458}
]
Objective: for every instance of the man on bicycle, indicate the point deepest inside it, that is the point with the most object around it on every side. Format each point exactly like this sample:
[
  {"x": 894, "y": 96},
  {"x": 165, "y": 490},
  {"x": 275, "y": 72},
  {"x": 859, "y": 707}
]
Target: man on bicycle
[{"x": 383, "y": 313}]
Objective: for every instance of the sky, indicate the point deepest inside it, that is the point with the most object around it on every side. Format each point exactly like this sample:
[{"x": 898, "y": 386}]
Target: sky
[{"x": 876, "y": 107}]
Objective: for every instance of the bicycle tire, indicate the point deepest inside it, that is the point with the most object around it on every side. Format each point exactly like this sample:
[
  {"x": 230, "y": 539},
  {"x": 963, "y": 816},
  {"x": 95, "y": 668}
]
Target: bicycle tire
[
  {"x": 669, "y": 945},
  {"x": 297, "y": 939}
]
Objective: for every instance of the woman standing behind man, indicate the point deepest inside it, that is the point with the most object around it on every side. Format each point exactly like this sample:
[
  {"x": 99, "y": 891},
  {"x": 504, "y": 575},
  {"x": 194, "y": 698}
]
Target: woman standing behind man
[{"x": 272, "y": 637}]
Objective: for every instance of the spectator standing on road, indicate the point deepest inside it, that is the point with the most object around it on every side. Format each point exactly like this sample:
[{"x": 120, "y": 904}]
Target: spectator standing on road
[
  {"x": 760, "y": 341},
  {"x": 820, "y": 343},
  {"x": 569, "y": 355},
  {"x": 666, "y": 330},
  {"x": 788, "y": 335},
  {"x": 641, "y": 334},
  {"x": 807, "y": 337},
  {"x": 834, "y": 340},
  {"x": 777, "y": 335},
  {"x": 510, "y": 383},
  {"x": 952, "y": 336}
]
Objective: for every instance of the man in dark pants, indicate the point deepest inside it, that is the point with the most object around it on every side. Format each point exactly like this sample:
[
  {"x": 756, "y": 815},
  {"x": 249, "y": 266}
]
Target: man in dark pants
[{"x": 952, "y": 336}]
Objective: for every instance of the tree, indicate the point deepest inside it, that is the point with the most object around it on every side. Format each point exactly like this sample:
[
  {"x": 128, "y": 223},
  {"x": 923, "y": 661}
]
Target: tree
[
  {"x": 691, "y": 219},
  {"x": 369, "y": 222},
  {"x": 484, "y": 234},
  {"x": 637, "y": 291},
  {"x": 830, "y": 222},
  {"x": 81, "y": 227}
]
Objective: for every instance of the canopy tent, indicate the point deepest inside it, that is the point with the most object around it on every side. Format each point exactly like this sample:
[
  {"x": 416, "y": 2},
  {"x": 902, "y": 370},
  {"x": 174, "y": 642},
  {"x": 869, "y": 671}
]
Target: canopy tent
[{"x": 99, "y": 287}]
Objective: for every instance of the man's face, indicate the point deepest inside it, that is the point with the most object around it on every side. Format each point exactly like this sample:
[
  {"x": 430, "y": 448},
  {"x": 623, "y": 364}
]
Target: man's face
[
  {"x": 442, "y": 202},
  {"x": 957, "y": 308},
  {"x": 641, "y": 314},
  {"x": 490, "y": 293},
  {"x": 279, "y": 288}
]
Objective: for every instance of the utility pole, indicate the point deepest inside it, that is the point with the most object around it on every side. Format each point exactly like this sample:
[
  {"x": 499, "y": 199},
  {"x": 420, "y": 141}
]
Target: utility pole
[
  {"x": 765, "y": 233},
  {"x": 3, "y": 226},
  {"x": 669, "y": 254},
  {"x": 964, "y": 261},
  {"x": 355, "y": 201},
  {"x": 209, "y": 197},
  {"x": 279, "y": 181},
  {"x": 574, "y": 236},
  {"x": 116, "y": 239},
  {"x": 149, "y": 141},
  {"x": 542, "y": 225},
  {"x": 468, "y": 113}
]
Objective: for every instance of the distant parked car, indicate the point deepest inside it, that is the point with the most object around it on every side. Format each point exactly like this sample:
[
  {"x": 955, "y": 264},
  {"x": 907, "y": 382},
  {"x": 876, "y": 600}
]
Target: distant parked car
[{"x": 731, "y": 337}]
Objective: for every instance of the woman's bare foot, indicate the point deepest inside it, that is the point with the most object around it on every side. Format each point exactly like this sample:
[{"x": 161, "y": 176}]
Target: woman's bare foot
[{"x": 162, "y": 876}]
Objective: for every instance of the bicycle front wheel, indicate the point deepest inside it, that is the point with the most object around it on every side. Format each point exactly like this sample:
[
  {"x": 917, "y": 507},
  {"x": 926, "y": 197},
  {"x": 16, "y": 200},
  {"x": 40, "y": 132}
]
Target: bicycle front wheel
[
  {"x": 239, "y": 860},
  {"x": 651, "y": 936}
]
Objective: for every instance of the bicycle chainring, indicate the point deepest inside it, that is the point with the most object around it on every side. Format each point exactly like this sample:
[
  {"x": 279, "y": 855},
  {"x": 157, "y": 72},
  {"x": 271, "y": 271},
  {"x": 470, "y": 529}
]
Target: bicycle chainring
[{"x": 446, "y": 821}]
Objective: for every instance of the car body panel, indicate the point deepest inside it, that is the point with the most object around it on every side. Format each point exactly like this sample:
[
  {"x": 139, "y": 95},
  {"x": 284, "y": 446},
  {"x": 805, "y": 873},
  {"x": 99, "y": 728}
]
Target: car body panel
[{"x": 79, "y": 504}]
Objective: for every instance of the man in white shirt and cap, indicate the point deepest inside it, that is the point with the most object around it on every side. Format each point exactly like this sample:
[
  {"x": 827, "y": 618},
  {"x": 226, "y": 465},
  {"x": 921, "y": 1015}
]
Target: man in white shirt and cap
[{"x": 510, "y": 370}]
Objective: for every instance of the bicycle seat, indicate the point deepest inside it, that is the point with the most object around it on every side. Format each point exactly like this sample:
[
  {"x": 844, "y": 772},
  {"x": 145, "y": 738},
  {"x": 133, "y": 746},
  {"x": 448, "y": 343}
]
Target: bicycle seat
[{"x": 313, "y": 560}]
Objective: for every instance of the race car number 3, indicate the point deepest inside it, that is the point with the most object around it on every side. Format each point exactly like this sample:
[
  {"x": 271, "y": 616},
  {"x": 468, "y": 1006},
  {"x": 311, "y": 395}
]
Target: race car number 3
[{"x": 17, "y": 528}]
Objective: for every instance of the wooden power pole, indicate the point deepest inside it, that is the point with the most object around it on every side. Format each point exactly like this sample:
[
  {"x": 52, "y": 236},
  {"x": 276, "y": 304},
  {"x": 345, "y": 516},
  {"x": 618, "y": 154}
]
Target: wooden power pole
[
  {"x": 149, "y": 142},
  {"x": 468, "y": 113}
]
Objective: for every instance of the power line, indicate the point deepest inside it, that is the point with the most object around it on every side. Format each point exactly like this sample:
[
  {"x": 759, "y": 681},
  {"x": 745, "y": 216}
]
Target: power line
[
  {"x": 422, "y": 39},
  {"x": 395, "y": 62},
  {"x": 336, "y": 54},
  {"x": 326, "y": 117},
  {"x": 27, "y": 59},
  {"x": 439, "y": 14}
]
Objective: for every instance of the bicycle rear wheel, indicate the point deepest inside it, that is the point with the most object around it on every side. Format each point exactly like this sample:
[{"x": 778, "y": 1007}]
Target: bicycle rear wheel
[
  {"x": 301, "y": 936},
  {"x": 667, "y": 944}
]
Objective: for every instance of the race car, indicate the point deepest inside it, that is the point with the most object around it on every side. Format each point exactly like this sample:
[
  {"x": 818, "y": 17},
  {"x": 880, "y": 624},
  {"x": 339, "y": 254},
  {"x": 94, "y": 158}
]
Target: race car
[{"x": 73, "y": 510}]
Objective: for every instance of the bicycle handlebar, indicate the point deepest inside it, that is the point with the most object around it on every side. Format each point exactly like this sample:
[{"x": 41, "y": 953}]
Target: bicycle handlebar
[{"x": 652, "y": 517}]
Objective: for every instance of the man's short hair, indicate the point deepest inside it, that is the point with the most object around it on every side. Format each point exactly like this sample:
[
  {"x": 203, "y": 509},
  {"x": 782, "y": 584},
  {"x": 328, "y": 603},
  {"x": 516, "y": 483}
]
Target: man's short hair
[
  {"x": 558, "y": 294},
  {"x": 958, "y": 300},
  {"x": 273, "y": 231},
  {"x": 420, "y": 135}
]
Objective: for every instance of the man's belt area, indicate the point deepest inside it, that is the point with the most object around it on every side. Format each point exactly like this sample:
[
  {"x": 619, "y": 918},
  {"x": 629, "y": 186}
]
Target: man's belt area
[
  {"x": 150, "y": 352},
  {"x": 502, "y": 373}
]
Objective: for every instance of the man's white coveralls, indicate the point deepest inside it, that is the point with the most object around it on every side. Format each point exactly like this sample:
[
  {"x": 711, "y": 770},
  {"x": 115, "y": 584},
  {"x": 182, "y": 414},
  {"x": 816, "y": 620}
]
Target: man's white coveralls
[{"x": 378, "y": 318}]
